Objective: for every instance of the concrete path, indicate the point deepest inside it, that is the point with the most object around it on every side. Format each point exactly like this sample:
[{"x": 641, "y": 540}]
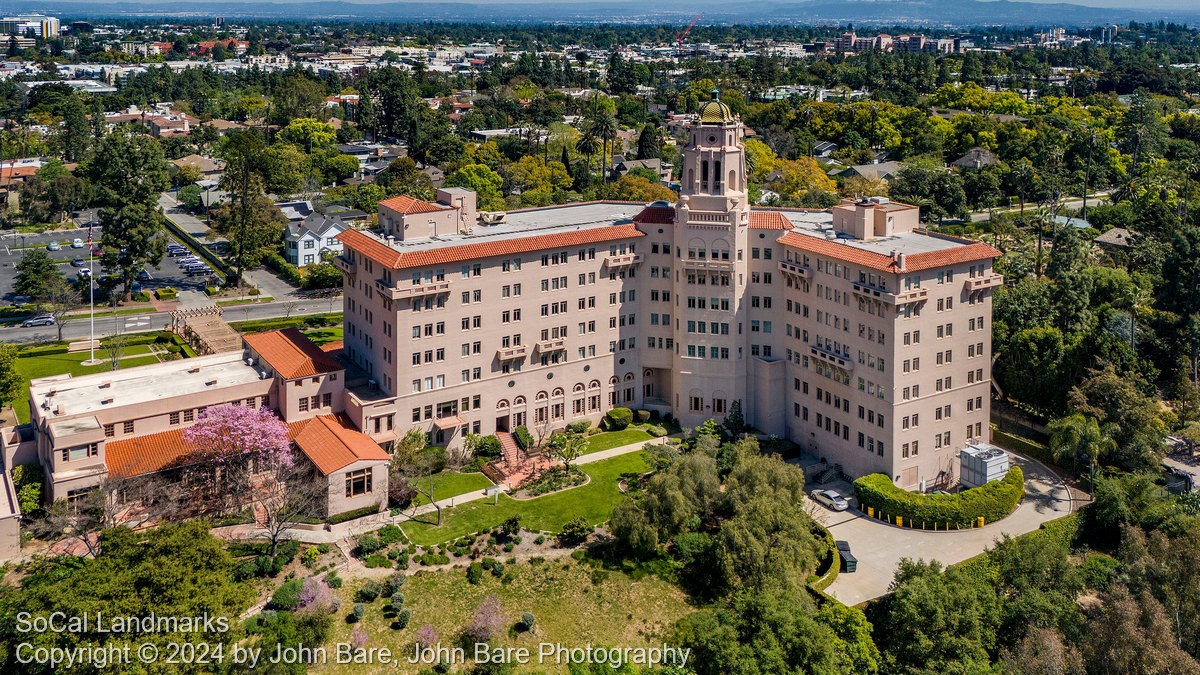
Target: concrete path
[{"x": 880, "y": 546}]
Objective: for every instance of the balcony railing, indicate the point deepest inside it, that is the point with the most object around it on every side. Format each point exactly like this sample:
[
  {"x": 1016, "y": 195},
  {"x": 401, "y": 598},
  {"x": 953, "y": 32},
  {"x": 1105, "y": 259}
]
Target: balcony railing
[
  {"x": 830, "y": 356},
  {"x": 345, "y": 265},
  {"x": 892, "y": 298},
  {"x": 622, "y": 260},
  {"x": 552, "y": 345},
  {"x": 981, "y": 283},
  {"x": 717, "y": 265},
  {"x": 795, "y": 269},
  {"x": 407, "y": 291},
  {"x": 510, "y": 353}
]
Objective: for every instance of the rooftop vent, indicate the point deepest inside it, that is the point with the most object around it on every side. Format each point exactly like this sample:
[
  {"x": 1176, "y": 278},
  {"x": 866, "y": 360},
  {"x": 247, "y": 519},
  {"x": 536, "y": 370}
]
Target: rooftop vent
[
  {"x": 194, "y": 370},
  {"x": 209, "y": 383},
  {"x": 106, "y": 400},
  {"x": 106, "y": 385}
]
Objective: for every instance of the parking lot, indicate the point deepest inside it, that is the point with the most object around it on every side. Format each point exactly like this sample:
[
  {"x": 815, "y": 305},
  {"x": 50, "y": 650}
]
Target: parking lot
[{"x": 166, "y": 273}]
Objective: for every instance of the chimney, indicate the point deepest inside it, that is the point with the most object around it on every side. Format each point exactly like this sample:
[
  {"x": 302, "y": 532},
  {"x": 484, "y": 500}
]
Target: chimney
[{"x": 898, "y": 257}]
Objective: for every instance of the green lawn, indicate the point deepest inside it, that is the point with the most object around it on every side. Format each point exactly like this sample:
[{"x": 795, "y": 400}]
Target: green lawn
[
  {"x": 33, "y": 367},
  {"x": 323, "y": 336},
  {"x": 453, "y": 484},
  {"x": 245, "y": 301},
  {"x": 615, "y": 439},
  {"x": 594, "y": 501},
  {"x": 572, "y": 605}
]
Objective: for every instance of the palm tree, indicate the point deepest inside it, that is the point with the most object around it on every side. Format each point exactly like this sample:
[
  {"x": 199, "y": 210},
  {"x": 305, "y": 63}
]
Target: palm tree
[
  {"x": 1078, "y": 436},
  {"x": 604, "y": 126},
  {"x": 587, "y": 145}
]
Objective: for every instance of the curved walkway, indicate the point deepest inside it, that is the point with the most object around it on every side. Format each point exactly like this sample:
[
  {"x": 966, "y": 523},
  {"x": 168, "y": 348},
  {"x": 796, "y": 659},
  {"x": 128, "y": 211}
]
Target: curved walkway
[{"x": 880, "y": 546}]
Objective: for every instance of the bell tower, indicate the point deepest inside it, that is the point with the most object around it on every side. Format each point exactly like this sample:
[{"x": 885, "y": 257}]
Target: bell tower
[{"x": 712, "y": 218}]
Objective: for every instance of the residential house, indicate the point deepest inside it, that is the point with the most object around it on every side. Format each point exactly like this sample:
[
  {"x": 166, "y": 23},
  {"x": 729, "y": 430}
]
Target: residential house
[
  {"x": 307, "y": 240},
  {"x": 622, "y": 166},
  {"x": 976, "y": 158},
  {"x": 872, "y": 172}
]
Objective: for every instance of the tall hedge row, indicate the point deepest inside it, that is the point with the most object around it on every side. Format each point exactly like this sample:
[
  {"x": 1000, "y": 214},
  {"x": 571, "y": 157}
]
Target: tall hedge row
[{"x": 992, "y": 501}]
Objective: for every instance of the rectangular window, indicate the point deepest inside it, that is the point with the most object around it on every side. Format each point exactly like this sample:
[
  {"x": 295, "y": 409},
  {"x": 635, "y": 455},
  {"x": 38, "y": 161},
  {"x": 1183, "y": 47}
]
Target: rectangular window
[
  {"x": 174, "y": 418},
  {"x": 303, "y": 404},
  {"x": 359, "y": 482},
  {"x": 128, "y": 427},
  {"x": 109, "y": 431}
]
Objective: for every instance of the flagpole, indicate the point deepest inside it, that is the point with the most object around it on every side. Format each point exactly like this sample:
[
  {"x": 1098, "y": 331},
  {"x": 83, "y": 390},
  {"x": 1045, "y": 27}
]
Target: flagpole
[{"x": 91, "y": 300}]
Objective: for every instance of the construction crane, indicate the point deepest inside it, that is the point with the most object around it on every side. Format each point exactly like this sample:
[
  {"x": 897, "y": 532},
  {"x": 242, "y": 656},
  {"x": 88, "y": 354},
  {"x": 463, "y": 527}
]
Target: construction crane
[{"x": 682, "y": 35}]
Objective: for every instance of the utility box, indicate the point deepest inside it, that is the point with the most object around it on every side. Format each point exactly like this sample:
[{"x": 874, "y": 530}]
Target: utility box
[{"x": 982, "y": 463}]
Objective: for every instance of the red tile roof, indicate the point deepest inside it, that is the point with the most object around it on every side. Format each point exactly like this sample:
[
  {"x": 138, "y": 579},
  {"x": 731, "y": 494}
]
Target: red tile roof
[
  {"x": 655, "y": 215},
  {"x": 334, "y": 346},
  {"x": 390, "y": 257},
  {"x": 138, "y": 456},
  {"x": 769, "y": 220},
  {"x": 914, "y": 262},
  {"x": 407, "y": 205},
  {"x": 332, "y": 443},
  {"x": 291, "y": 354}
]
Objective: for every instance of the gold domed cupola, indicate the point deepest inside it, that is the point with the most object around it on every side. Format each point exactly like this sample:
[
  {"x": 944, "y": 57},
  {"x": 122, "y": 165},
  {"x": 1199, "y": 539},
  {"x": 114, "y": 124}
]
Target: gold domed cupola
[{"x": 715, "y": 112}]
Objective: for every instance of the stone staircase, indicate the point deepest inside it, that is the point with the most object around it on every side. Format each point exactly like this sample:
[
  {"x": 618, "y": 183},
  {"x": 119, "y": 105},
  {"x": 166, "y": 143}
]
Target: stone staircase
[{"x": 510, "y": 452}]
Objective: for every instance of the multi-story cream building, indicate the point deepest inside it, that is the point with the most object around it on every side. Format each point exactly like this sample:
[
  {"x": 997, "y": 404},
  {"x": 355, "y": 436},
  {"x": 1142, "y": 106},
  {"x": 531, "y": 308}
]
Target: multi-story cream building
[{"x": 851, "y": 332}]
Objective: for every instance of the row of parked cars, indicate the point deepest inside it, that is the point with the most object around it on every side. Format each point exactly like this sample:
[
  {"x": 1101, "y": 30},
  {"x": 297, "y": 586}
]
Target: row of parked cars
[{"x": 192, "y": 264}]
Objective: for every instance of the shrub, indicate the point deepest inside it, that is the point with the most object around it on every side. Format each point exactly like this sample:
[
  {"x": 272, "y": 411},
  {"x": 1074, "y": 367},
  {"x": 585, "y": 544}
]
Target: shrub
[
  {"x": 377, "y": 560},
  {"x": 1099, "y": 570},
  {"x": 288, "y": 271},
  {"x": 403, "y": 617},
  {"x": 27, "y": 480},
  {"x": 390, "y": 534},
  {"x": 360, "y": 610},
  {"x": 541, "y": 539},
  {"x": 351, "y": 515},
  {"x": 579, "y": 426},
  {"x": 333, "y": 580},
  {"x": 368, "y": 544},
  {"x": 487, "y": 446},
  {"x": 369, "y": 591},
  {"x": 657, "y": 430},
  {"x": 643, "y": 416},
  {"x": 310, "y": 556},
  {"x": 993, "y": 501},
  {"x": 524, "y": 438},
  {"x": 211, "y": 290},
  {"x": 527, "y": 622},
  {"x": 140, "y": 296},
  {"x": 397, "y": 601},
  {"x": 618, "y": 418},
  {"x": 475, "y": 574},
  {"x": 394, "y": 583},
  {"x": 287, "y": 596},
  {"x": 167, "y": 293},
  {"x": 434, "y": 559},
  {"x": 575, "y": 531},
  {"x": 497, "y": 569}
]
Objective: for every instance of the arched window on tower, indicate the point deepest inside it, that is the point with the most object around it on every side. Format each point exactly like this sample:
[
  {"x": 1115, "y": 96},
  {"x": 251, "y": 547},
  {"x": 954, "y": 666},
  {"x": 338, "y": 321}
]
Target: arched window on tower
[
  {"x": 717, "y": 176},
  {"x": 704, "y": 175}
]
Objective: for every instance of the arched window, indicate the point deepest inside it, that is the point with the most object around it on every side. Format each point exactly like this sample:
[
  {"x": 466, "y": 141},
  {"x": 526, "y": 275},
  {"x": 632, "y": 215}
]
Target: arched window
[
  {"x": 594, "y": 384},
  {"x": 612, "y": 381},
  {"x": 578, "y": 388},
  {"x": 502, "y": 404},
  {"x": 520, "y": 400},
  {"x": 629, "y": 377},
  {"x": 558, "y": 392},
  {"x": 541, "y": 396}
]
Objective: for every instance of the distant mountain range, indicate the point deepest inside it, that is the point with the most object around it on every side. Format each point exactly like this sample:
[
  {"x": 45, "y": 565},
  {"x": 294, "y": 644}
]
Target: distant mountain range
[{"x": 941, "y": 13}]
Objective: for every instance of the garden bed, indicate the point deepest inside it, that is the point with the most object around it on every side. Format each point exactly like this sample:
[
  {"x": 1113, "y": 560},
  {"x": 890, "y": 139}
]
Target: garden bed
[{"x": 554, "y": 479}]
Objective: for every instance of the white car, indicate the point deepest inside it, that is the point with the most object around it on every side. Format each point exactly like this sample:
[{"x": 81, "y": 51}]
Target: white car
[
  {"x": 54, "y": 246},
  {"x": 831, "y": 499},
  {"x": 77, "y": 243}
]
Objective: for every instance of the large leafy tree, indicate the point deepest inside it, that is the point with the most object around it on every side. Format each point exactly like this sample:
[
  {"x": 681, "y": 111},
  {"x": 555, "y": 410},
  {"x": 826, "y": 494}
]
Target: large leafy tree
[
  {"x": 10, "y": 378},
  {"x": 251, "y": 223},
  {"x": 129, "y": 168},
  {"x": 133, "y": 237},
  {"x": 35, "y": 271}
]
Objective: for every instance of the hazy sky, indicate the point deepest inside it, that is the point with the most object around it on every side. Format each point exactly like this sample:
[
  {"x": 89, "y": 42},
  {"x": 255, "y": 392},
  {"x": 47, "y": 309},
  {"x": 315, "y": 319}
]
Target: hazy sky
[{"x": 1122, "y": 4}]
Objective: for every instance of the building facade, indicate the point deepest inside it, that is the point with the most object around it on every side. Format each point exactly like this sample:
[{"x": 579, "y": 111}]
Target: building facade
[{"x": 850, "y": 331}]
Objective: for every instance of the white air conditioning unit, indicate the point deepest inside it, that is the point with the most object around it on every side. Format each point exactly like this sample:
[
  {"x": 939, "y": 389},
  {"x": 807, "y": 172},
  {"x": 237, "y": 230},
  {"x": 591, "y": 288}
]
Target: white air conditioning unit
[{"x": 262, "y": 374}]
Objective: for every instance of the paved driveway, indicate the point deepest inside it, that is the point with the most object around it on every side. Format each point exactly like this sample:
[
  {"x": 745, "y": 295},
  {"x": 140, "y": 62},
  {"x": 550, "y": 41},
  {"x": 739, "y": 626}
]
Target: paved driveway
[{"x": 879, "y": 546}]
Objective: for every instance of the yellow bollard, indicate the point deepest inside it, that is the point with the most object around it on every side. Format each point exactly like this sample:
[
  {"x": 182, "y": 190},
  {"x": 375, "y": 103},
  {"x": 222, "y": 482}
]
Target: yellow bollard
[
  {"x": 899, "y": 521},
  {"x": 980, "y": 522},
  {"x": 870, "y": 511}
]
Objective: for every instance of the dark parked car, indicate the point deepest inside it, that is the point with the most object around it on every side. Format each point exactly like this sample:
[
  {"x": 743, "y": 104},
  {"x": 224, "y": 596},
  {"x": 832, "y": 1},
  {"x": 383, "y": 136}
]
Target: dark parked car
[{"x": 78, "y": 262}]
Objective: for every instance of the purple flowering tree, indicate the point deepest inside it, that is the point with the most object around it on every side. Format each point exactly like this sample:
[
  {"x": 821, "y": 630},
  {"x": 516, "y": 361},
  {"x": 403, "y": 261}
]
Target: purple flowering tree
[
  {"x": 427, "y": 635},
  {"x": 488, "y": 621},
  {"x": 244, "y": 454}
]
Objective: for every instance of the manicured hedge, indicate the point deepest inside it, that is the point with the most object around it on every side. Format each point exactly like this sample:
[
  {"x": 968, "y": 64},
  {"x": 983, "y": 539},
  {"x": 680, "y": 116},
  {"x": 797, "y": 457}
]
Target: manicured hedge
[
  {"x": 524, "y": 438},
  {"x": 619, "y": 418},
  {"x": 287, "y": 270},
  {"x": 351, "y": 515},
  {"x": 188, "y": 240},
  {"x": 167, "y": 293},
  {"x": 933, "y": 511},
  {"x": 831, "y": 562},
  {"x": 1024, "y": 446}
]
